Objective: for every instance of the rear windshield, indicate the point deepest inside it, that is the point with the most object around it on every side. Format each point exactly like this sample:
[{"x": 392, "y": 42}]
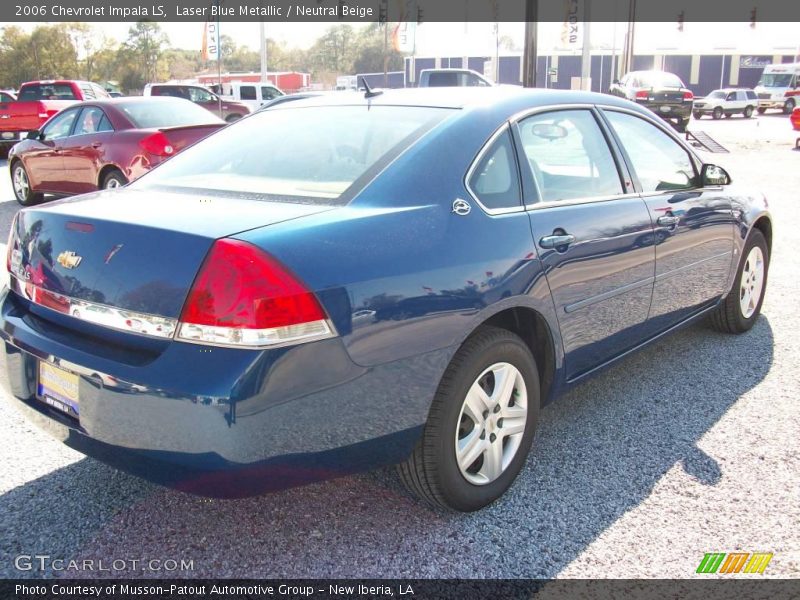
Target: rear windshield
[
  {"x": 173, "y": 112},
  {"x": 297, "y": 154},
  {"x": 657, "y": 80},
  {"x": 46, "y": 91}
]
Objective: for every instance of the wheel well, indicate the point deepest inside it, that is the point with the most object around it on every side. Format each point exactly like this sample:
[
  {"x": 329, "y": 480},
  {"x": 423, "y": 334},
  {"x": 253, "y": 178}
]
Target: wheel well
[
  {"x": 105, "y": 171},
  {"x": 532, "y": 328},
  {"x": 764, "y": 225}
]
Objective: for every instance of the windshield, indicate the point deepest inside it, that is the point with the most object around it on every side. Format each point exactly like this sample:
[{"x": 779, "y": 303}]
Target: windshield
[
  {"x": 782, "y": 80},
  {"x": 657, "y": 80},
  {"x": 717, "y": 94},
  {"x": 154, "y": 114},
  {"x": 46, "y": 91},
  {"x": 297, "y": 154}
]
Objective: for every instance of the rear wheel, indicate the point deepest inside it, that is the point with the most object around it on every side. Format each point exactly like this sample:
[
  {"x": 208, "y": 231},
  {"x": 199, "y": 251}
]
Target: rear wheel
[
  {"x": 481, "y": 424},
  {"x": 717, "y": 114},
  {"x": 788, "y": 106},
  {"x": 697, "y": 114},
  {"x": 739, "y": 310},
  {"x": 681, "y": 125},
  {"x": 22, "y": 186},
  {"x": 748, "y": 112},
  {"x": 114, "y": 179}
]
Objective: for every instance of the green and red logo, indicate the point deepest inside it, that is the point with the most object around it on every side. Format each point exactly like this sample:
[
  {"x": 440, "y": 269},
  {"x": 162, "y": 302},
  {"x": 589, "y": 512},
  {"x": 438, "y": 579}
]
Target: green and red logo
[{"x": 734, "y": 562}]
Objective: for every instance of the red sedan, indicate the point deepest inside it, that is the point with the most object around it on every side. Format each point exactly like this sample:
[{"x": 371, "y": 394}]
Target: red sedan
[{"x": 104, "y": 144}]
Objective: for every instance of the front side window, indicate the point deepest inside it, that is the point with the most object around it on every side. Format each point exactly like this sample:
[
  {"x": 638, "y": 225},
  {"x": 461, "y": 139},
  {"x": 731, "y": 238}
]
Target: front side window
[
  {"x": 495, "y": 179},
  {"x": 660, "y": 163},
  {"x": 201, "y": 95},
  {"x": 89, "y": 121},
  {"x": 568, "y": 156},
  {"x": 61, "y": 125},
  {"x": 305, "y": 155},
  {"x": 270, "y": 93},
  {"x": 247, "y": 92}
]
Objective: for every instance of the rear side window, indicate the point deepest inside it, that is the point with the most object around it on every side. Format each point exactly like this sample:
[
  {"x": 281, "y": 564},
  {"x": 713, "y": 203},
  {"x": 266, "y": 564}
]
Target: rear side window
[
  {"x": 307, "y": 155},
  {"x": 568, "y": 156},
  {"x": 660, "y": 163},
  {"x": 46, "y": 91},
  {"x": 88, "y": 92},
  {"x": 247, "y": 92},
  {"x": 495, "y": 178}
]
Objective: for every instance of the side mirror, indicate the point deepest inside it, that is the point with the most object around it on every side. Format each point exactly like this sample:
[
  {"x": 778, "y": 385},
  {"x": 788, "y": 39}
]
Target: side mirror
[
  {"x": 34, "y": 135},
  {"x": 712, "y": 175}
]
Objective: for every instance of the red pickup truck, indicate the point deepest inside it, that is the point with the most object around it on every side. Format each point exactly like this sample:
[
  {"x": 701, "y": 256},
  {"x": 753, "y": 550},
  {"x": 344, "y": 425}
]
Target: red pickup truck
[{"x": 36, "y": 102}]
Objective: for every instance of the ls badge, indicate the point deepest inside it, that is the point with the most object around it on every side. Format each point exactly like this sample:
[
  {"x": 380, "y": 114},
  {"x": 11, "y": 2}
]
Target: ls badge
[{"x": 69, "y": 260}]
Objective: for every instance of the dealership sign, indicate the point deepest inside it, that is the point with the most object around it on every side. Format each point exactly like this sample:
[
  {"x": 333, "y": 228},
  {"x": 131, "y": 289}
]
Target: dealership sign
[{"x": 753, "y": 62}]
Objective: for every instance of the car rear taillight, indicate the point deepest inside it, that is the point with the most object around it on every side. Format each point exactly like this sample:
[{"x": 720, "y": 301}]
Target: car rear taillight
[
  {"x": 642, "y": 95},
  {"x": 244, "y": 297},
  {"x": 688, "y": 96},
  {"x": 157, "y": 144}
]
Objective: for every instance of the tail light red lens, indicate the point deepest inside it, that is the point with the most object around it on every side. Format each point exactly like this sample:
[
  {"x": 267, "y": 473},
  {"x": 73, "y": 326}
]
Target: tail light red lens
[
  {"x": 688, "y": 96},
  {"x": 642, "y": 94},
  {"x": 244, "y": 297},
  {"x": 157, "y": 144}
]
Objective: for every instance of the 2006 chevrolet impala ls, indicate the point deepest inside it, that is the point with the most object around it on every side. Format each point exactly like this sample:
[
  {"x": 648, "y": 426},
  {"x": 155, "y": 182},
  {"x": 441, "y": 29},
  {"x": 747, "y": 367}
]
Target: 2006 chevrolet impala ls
[{"x": 349, "y": 281}]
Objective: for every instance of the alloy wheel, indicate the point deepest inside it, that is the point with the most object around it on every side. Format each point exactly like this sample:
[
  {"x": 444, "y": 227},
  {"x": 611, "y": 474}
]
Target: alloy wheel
[
  {"x": 752, "y": 282},
  {"x": 21, "y": 185}
]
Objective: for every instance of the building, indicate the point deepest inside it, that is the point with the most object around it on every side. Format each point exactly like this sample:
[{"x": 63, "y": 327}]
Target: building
[{"x": 288, "y": 81}]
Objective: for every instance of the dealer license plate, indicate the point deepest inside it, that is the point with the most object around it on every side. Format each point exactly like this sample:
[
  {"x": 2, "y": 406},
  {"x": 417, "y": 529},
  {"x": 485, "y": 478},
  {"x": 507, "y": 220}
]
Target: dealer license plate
[
  {"x": 665, "y": 109},
  {"x": 58, "y": 388}
]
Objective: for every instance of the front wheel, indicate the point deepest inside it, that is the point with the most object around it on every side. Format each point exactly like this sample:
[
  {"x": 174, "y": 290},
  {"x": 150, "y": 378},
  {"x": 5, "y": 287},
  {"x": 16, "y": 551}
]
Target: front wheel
[
  {"x": 22, "y": 186},
  {"x": 788, "y": 106},
  {"x": 697, "y": 114},
  {"x": 739, "y": 310},
  {"x": 480, "y": 426},
  {"x": 717, "y": 114}
]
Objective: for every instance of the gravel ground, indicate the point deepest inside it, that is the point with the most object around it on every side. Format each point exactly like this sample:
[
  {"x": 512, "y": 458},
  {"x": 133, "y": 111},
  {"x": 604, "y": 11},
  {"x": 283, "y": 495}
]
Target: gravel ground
[{"x": 685, "y": 448}]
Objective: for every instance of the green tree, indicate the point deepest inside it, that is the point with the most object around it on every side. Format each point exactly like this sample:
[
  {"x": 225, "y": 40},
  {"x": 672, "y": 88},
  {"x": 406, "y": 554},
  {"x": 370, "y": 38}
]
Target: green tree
[{"x": 140, "y": 54}]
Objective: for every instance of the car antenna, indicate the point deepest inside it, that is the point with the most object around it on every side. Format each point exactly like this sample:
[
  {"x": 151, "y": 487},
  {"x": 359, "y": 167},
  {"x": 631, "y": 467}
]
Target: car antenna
[{"x": 369, "y": 92}]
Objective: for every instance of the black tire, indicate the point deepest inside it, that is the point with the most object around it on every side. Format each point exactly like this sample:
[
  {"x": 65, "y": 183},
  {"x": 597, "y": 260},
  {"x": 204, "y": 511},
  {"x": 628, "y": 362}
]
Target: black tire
[
  {"x": 788, "y": 106},
  {"x": 232, "y": 118},
  {"x": 697, "y": 114},
  {"x": 681, "y": 125},
  {"x": 728, "y": 317},
  {"x": 761, "y": 110},
  {"x": 432, "y": 471},
  {"x": 114, "y": 179},
  {"x": 30, "y": 197},
  {"x": 728, "y": 115},
  {"x": 748, "y": 112},
  {"x": 717, "y": 114}
]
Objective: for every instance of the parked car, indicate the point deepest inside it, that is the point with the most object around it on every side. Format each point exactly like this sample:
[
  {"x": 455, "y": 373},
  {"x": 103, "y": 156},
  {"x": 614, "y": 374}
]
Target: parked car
[
  {"x": 779, "y": 87},
  {"x": 37, "y": 101},
  {"x": 7, "y": 96},
  {"x": 228, "y": 110},
  {"x": 726, "y": 102},
  {"x": 663, "y": 93},
  {"x": 104, "y": 144},
  {"x": 491, "y": 246},
  {"x": 452, "y": 78},
  {"x": 253, "y": 95}
]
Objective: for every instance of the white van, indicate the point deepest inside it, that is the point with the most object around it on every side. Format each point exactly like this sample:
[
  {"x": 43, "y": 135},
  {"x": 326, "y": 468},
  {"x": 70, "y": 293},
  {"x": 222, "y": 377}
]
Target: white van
[
  {"x": 778, "y": 88},
  {"x": 253, "y": 95}
]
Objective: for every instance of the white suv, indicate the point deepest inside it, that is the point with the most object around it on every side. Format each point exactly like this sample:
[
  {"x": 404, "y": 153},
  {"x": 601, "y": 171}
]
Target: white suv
[{"x": 726, "y": 102}]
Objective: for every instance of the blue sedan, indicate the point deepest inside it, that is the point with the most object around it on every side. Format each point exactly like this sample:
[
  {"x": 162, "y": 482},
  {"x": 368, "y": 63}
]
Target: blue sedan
[{"x": 344, "y": 282}]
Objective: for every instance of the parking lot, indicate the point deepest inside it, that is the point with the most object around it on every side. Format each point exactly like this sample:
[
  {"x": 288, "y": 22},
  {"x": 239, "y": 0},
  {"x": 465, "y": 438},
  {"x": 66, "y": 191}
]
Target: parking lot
[{"x": 685, "y": 448}]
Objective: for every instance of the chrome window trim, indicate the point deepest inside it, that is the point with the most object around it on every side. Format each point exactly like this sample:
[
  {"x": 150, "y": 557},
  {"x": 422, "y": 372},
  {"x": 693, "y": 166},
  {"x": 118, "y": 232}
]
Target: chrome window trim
[
  {"x": 584, "y": 200},
  {"x": 505, "y": 127}
]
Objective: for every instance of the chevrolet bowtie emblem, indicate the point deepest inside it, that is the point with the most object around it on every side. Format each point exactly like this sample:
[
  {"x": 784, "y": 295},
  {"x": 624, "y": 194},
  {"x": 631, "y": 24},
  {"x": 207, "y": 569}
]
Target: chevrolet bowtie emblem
[{"x": 69, "y": 260}]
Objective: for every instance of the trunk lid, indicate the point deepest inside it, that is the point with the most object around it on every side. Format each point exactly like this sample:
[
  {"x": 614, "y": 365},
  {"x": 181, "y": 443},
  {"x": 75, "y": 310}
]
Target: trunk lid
[
  {"x": 180, "y": 137},
  {"x": 135, "y": 250}
]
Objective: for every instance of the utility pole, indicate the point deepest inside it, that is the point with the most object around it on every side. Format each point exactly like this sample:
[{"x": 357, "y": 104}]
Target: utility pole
[
  {"x": 263, "y": 50},
  {"x": 529, "y": 55},
  {"x": 586, "y": 60},
  {"x": 627, "y": 53}
]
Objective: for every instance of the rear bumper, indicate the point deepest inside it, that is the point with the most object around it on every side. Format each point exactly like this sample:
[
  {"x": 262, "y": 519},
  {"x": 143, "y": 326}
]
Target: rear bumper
[
  {"x": 669, "y": 110},
  {"x": 227, "y": 422},
  {"x": 771, "y": 103}
]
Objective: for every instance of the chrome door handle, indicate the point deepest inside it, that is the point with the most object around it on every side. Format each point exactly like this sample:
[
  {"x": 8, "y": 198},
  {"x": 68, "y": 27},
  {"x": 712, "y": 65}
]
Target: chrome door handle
[
  {"x": 555, "y": 241},
  {"x": 668, "y": 220}
]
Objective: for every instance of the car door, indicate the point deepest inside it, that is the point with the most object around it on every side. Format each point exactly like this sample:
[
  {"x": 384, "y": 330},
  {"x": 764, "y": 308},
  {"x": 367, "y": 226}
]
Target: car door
[
  {"x": 83, "y": 151},
  {"x": 43, "y": 160},
  {"x": 694, "y": 226},
  {"x": 592, "y": 231}
]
